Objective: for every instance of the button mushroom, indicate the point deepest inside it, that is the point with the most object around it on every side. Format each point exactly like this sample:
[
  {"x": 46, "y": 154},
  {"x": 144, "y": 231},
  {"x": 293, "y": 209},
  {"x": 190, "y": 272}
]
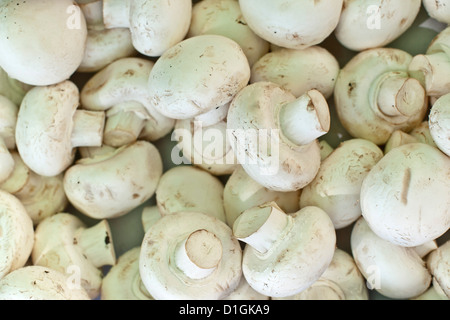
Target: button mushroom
[
  {"x": 16, "y": 234},
  {"x": 50, "y": 126},
  {"x": 151, "y": 23},
  {"x": 63, "y": 241},
  {"x": 371, "y": 24},
  {"x": 198, "y": 75},
  {"x": 438, "y": 10},
  {"x": 438, "y": 263},
  {"x": 375, "y": 95},
  {"x": 396, "y": 193},
  {"x": 111, "y": 185},
  {"x": 8, "y": 120},
  {"x": 284, "y": 253},
  {"x": 439, "y": 123},
  {"x": 274, "y": 134},
  {"x": 337, "y": 186},
  {"x": 49, "y": 35},
  {"x": 190, "y": 255},
  {"x": 39, "y": 283},
  {"x": 292, "y": 24}
]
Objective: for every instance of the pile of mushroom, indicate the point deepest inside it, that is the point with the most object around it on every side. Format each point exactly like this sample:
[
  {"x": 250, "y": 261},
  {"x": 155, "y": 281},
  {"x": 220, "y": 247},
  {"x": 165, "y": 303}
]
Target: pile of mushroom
[{"x": 224, "y": 150}]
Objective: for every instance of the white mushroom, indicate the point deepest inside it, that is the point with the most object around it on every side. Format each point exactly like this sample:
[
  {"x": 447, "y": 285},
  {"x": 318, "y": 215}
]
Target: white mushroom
[
  {"x": 284, "y": 253},
  {"x": 190, "y": 255},
  {"x": 274, "y": 134},
  {"x": 395, "y": 195},
  {"x": 422, "y": 133},
  {"x": 111, "y": 185},
  {"x": 65, "y": 243},
  {"x": 8, "y": 120},
  {"x": 155, "y": 26},
  {"x": 50, "y": 126},
  {"x": 16, "y": 234},
  {"x": 394, "y": 271},
  {"x": 398, "y": 138},
  {"x": 224, "y": 17},
  {"x": 439, "y": 123},
  {"x": 12, "y": 89},
  {"x": 341, "y": 281},
  {"x": 149, "y": 215},
  {"x": 43, "y": 42},
  {"x": 370, "y": 24},
  {"x": 40, "y": 283},
  {"x": 123, "y": 281},
  {"x": 198, "y": 75},
  {"x": 120, "y": 90},
  {"x": 432, "y": 68},
  {"x": 187, "y": 189},
  {"x": 242, "y": 192},
  {"x": 438, "y": 10},
  {"x": 337, "y": 186},
  {"x": 438, "y": 263},
  {"x": 41, "y": 196},
  {"x": 103, "y": 46},
  {"x": 292, "y": 24},
  {"x": 298, "y": 71},
  {"x": 375, "y": 95}
]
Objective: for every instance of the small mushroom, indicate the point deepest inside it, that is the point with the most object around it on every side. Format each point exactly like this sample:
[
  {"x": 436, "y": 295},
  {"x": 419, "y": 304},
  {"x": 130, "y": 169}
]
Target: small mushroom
[
  {"x": 187, "y": 189},
  {"x": 376, "y": 95},
  {"x": 292, "y": 24},
  {"x": 120, "y": 90},
  {"x": 341, "y": 281},
  {"x": 284, "y": 253},
  {"x": 438, "y": 10},
  {"x": 43, "y": 42},
  {"x": 50, "y": 127},
  {"x": 40, "y": 283},
  {"x": 337, "y": 186},
  {"x": 149, "y": 215},
  {"x": 439, "y": 123},
  {"x": 224, "y": 17},
  {"x": 111, "y": 185},
  {"x": 123, "y": 280},
  {"x": 438, "y": 262},
  {"x": 396, "y": 272},
  {"x": 422, "y": 133},
  {"x": 432, "y": 68},
  {"x": 8, "y": 120},
  {"x": 63, "y": 242},
  {"x": 242, "y": 192},
  {"x": 275, "y": 135},
  {"x": 103, "y": 46},
  {"x": 190, "y": 255},
  {"x": 298, "y": 71},
  {"x": 41, "y": 196},
  {"x": 371, "y": 24},
  {"x": 198, "y": 75},
  {"x": 155, "y": 26},
  {"x": 399, "y": 138},
  {"x": 16, "y": 234},
  {"x": 395, "y": 195}
]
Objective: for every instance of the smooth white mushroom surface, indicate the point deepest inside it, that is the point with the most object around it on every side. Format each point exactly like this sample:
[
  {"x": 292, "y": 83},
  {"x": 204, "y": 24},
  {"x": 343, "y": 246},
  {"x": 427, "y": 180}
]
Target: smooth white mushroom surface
[
  {"x": 439, "y": 123},
  {"x": 438, "y": 9},
  {"x": 438, "y": 263}
]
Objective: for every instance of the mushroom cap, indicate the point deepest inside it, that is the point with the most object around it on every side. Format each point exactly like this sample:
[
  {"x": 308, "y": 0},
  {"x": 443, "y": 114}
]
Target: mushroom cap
[
  {"x": 8, "y": 120},
  {"x": 438, "y": 263},
  {"x": 197, "y": 75},
  {"x": 44, "y": 127},
  {"x": 112, "y": 185},
  {"x": 48, "y": 35},
  {"x": 39, "y": 283},
  {"x": 394, "y": 271},
  {"x": 158, "y": 269},
  {"x": 296, "y": 260},
  {"x": 395, "y": 195},
  {"x": 282, "y": 166},
  {"x": 187, "y": 188},
  {"x": 298, "y": 71},
  {"x": 438, "y": 10},
  {"x": 292, "y": 24},
  {"x": 368, "y": 24},
  {"x": 336, "y": 188},
  {"x": 16, "y": 234},
  {"x": 439, "y": 123}
]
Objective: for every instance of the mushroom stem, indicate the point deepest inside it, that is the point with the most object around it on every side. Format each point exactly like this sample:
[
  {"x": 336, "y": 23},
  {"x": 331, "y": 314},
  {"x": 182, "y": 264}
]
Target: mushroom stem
[
  {"x": 199, "y": 254},
  {"x": 124, "y": 126},
  {"x": 306, "y": 118},
  {"x": 96, "y": 244},
  {"x": 432, "y": 70},
  {"x": 399, "y": 95},
  {"x": 116, "y": 13},
  {"x": 88, "y": 128},
  {"x": 261, "y": 226}
]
